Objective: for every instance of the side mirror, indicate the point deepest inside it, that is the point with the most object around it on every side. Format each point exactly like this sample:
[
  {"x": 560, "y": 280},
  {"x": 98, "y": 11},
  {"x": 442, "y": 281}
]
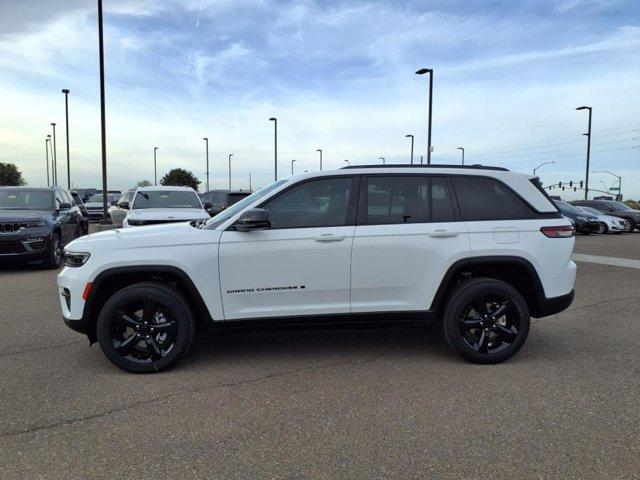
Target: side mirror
[
  {"x": 124, "y": 205},
  {"x": 254, "y": 219},
  {"x": 208, "y": 205},
  {"x": 64, "y": 206}
]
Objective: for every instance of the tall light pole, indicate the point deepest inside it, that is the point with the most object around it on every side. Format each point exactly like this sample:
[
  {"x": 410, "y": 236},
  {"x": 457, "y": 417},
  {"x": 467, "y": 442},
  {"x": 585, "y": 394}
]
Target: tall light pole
[
  {"x": 51, "y": 157},
  {"x": 155, "y": 166},
  {"x": 292, "y": 166},
  {"x": 543, "y": 164},
  {"x": 206, "y": 141},
  {"x": 462, "y": 150},
  {"x": 411, "y": 137},
  {"x": 54, "y": 173},
  {"x": 421, "y": 159},
  {"x": 381, "y": 158},
  {"x": 619, "y": 177},
  {"x": 275, "y": 147},
  {"x": 66, "y": 116},
  {"x": 250, "y": 189},
  {"x": 230, "y": 155},
  {"x": 103, "y": 121},
  {"x": 588, "y": 134},
  {"x": 320, "y": 150},
  {"x": 422, "y": 71},
  {"x": 46, "y": 151},
  {"x": 347, "y": 162}
]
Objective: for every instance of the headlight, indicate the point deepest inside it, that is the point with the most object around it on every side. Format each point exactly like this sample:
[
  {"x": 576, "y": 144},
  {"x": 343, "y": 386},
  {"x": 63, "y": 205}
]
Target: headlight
[
  {"x": 75, "y": 259},
  {"x": 37, "y": 223}
]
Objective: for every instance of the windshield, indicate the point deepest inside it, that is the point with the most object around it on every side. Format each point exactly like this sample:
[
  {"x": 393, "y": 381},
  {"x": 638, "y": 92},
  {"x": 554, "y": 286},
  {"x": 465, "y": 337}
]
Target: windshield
[
  {"x": 566, "y": 207},
  {"x": 166, "y": 199},
  {"x": 25, "y": 200},
  {"x": 97, "y": 198},
  {"x": 619, "y": 206},
  {"x": 591, "y": 210},
  {"x": 235, "y": 208}
]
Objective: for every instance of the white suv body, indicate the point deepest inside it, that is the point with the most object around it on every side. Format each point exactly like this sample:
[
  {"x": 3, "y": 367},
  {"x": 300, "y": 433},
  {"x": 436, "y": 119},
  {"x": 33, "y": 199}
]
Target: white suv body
[
  {"x": 164, "y": 204},
  {"x": 390, "y": 244}
]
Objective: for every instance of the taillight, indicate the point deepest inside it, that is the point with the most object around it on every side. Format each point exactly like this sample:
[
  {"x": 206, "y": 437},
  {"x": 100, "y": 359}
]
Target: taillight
[{"x": 563, "y": 231}]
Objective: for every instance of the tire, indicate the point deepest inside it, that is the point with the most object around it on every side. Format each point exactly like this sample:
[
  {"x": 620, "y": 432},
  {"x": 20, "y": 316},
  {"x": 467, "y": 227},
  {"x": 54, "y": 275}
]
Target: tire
[
  {"x": 139, "y": 347},
  {"x": 603, "y": 228},
  {"x": 490, "y": 339},
  {"x": 53, "y": 256}
]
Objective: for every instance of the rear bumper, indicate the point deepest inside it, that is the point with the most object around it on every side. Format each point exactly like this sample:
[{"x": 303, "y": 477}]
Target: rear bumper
[{"x": 553, "y": 305}]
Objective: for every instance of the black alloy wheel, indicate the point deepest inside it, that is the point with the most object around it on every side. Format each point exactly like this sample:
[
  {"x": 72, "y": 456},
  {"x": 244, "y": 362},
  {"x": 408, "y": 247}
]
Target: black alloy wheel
[
  {"x": 602, "y": 227},
  {"x": 145, "y": 327},
  {"x": 486, "y": 320},
  {"x": 53, "y": 255}
]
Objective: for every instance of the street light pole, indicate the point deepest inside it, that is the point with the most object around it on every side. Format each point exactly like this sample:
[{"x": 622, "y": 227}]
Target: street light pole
[
  {"x": 588, "y": 134},
  {"x": 54, "y": 173},
  {"x": 619, "y": 177},
  {"x": 462, "y": 150},
  {"x": 46, "y": 151},
  {"x": 155, "y": 166},
  {"x": 422, "y": 71},
  {"x": 347, "y": 162},
  {"x": 66, "y": 115},
  {"x": 103, "y": 122},
  {"x": 292, "y": 166},
  {"x": 320, "y": 150},
  {"x": 411, "y": 136},
  {"x": 230, "y": 155},
  {"x": 542, "y": 164},
  {"x": 381, "y": 158},
  {"x": 206, "y": 141},
  {"x": 275, "y": 147}
]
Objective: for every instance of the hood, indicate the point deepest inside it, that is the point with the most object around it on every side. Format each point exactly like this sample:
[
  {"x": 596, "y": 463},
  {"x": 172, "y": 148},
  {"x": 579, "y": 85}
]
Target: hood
[
  {"x": 23, "y": 215},
  {"x": 168, "y": 214}
]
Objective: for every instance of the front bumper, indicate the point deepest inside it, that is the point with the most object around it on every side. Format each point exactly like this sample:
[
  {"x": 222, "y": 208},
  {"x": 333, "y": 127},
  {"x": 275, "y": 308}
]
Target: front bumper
[{"x": 27, "y": 247}]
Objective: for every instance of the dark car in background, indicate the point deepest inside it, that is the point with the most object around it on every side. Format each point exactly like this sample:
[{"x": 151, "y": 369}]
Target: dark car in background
[
  {"x": 614, "y": 208},
  {"x": 85, "y": 193},
  {"x": 95, "y": 207},
  {"x": 36, "y": 223},
  {"x": 585, "y": 223},
  {"x": 220, "y": 200}
]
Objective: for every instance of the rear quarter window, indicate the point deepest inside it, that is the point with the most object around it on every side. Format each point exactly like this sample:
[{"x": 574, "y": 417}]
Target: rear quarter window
[{"x": 481, "y": 198}]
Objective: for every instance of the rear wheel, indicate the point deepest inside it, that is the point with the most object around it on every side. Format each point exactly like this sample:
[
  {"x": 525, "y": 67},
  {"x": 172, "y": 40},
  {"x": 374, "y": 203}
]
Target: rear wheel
[
  {"x": 486, "y": 320},
  {"x": 145, "y": 328}
]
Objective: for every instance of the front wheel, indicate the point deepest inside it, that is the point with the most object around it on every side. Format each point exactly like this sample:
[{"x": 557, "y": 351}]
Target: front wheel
[
  {"x": 486, "y": 320},
  {"x": 603, "y": 228},
  {"x": 53, "y": 255},
  {"x": 145, "y": 327}
]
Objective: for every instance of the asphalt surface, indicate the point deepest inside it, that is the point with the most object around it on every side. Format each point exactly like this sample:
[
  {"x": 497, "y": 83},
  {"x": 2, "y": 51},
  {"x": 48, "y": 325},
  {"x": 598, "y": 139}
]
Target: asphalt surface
[{"x": 391, "y": 403}]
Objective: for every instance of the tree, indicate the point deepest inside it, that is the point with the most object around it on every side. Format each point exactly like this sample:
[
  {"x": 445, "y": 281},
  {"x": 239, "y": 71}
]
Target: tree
[
  {"x": 632, "y": 204},
  {"x": 181, "y": 178},
  {"x": 10, "y": 175},
  {"x": 144, "y": 183}
]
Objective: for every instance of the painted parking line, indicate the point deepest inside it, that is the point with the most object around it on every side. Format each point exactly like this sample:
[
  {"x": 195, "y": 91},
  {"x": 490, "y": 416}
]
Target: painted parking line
[{"x": 614, "y": 261}]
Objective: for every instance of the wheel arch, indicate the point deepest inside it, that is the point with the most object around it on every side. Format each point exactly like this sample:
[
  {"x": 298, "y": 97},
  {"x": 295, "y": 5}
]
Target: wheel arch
[
  {"x": 516, "y": 271},
  {"x": 114, "y": 279}
]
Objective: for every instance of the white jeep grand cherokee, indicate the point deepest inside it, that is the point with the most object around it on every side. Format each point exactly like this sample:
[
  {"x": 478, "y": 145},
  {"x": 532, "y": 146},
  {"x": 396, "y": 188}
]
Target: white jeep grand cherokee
[{"x": 477, "y": 249}]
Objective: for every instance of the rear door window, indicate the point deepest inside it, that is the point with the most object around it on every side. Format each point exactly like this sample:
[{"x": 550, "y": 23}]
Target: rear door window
[{"x": 487, "y": 199}]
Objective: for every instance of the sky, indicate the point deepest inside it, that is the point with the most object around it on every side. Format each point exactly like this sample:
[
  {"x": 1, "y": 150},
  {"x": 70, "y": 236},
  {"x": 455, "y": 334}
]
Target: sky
[{"x": 338, "y": 75}]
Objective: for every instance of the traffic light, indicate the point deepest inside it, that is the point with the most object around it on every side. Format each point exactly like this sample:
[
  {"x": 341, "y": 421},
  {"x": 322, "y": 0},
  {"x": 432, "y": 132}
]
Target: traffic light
[
  {"x": 563, "y": 189},
  {"x": 571, "y": 183},
  {"x": 575, "y": 189},
  {"x": 581, "y": 182},
  {"x": 560, "y": 185}
]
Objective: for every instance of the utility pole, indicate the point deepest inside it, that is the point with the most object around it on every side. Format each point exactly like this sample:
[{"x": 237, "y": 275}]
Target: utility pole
[
  {"x": 155, "y": 166},
  {"x": 275, "y": 147},
  {"x": 230, "y": 155},
  {"x": 422, "y": 71},
  {"x": 66, "y": 116},
  {"x": 588, "y": 135},
  {"x": 320, "y": 150},
  {"x": 46, "y": 151},
  {"x": 462, "y": 149},
  {"x": 206, "y": 140},
  {"x": 54, "y": 174},
  {"x": 411, "y": 136},
  {"x": 103, "y": 122}
]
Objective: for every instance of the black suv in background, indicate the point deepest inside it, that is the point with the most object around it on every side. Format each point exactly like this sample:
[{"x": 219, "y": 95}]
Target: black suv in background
[
  {"x": 36, "y": 223},
  {"x": 585, "y": 223},
  {"x": 612, "y": 207},
  {"x": 221, "y": 199}
]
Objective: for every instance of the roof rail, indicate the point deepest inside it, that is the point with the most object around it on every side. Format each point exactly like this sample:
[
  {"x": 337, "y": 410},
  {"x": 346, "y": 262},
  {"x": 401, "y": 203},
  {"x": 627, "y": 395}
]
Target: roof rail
[{"x": 475, "y": 166}]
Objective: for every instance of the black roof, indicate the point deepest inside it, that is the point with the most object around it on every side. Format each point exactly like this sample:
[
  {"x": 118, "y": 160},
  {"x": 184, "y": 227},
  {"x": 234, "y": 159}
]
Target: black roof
[{"x": 475, "y": 166}]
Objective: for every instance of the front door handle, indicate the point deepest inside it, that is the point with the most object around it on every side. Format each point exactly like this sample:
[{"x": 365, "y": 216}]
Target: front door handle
[
  {"x": 443, "y": 233},
  {"x": 328, "y": 237}
]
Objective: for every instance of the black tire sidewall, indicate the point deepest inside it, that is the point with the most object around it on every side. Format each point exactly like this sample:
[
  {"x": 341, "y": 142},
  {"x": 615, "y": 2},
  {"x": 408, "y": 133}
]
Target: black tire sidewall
[
  {"x": 460, "y": 299},
  {"x": 171, "y": 300},
  {"x": 50, "y": 259},
  {"x": 605, "y": 228}
]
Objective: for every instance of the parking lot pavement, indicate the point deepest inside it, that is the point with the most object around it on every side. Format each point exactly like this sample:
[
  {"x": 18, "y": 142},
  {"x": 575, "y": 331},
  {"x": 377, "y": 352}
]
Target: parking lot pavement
[{"x": 391, "y": 403}]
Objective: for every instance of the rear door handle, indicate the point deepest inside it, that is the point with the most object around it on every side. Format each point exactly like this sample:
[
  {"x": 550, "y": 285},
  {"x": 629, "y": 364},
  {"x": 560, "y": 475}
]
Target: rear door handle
[
  {"x": 328, "y": 237},
  {"x": 443, "y": 233}
]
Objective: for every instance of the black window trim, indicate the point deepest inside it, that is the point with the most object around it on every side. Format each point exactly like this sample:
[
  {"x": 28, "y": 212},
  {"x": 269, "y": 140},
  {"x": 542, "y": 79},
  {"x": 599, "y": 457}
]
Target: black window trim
[
  {"x": 351, "y": 207},
  {"x": 363, "y": 198},
  {"x": 535, "y": 214}
]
